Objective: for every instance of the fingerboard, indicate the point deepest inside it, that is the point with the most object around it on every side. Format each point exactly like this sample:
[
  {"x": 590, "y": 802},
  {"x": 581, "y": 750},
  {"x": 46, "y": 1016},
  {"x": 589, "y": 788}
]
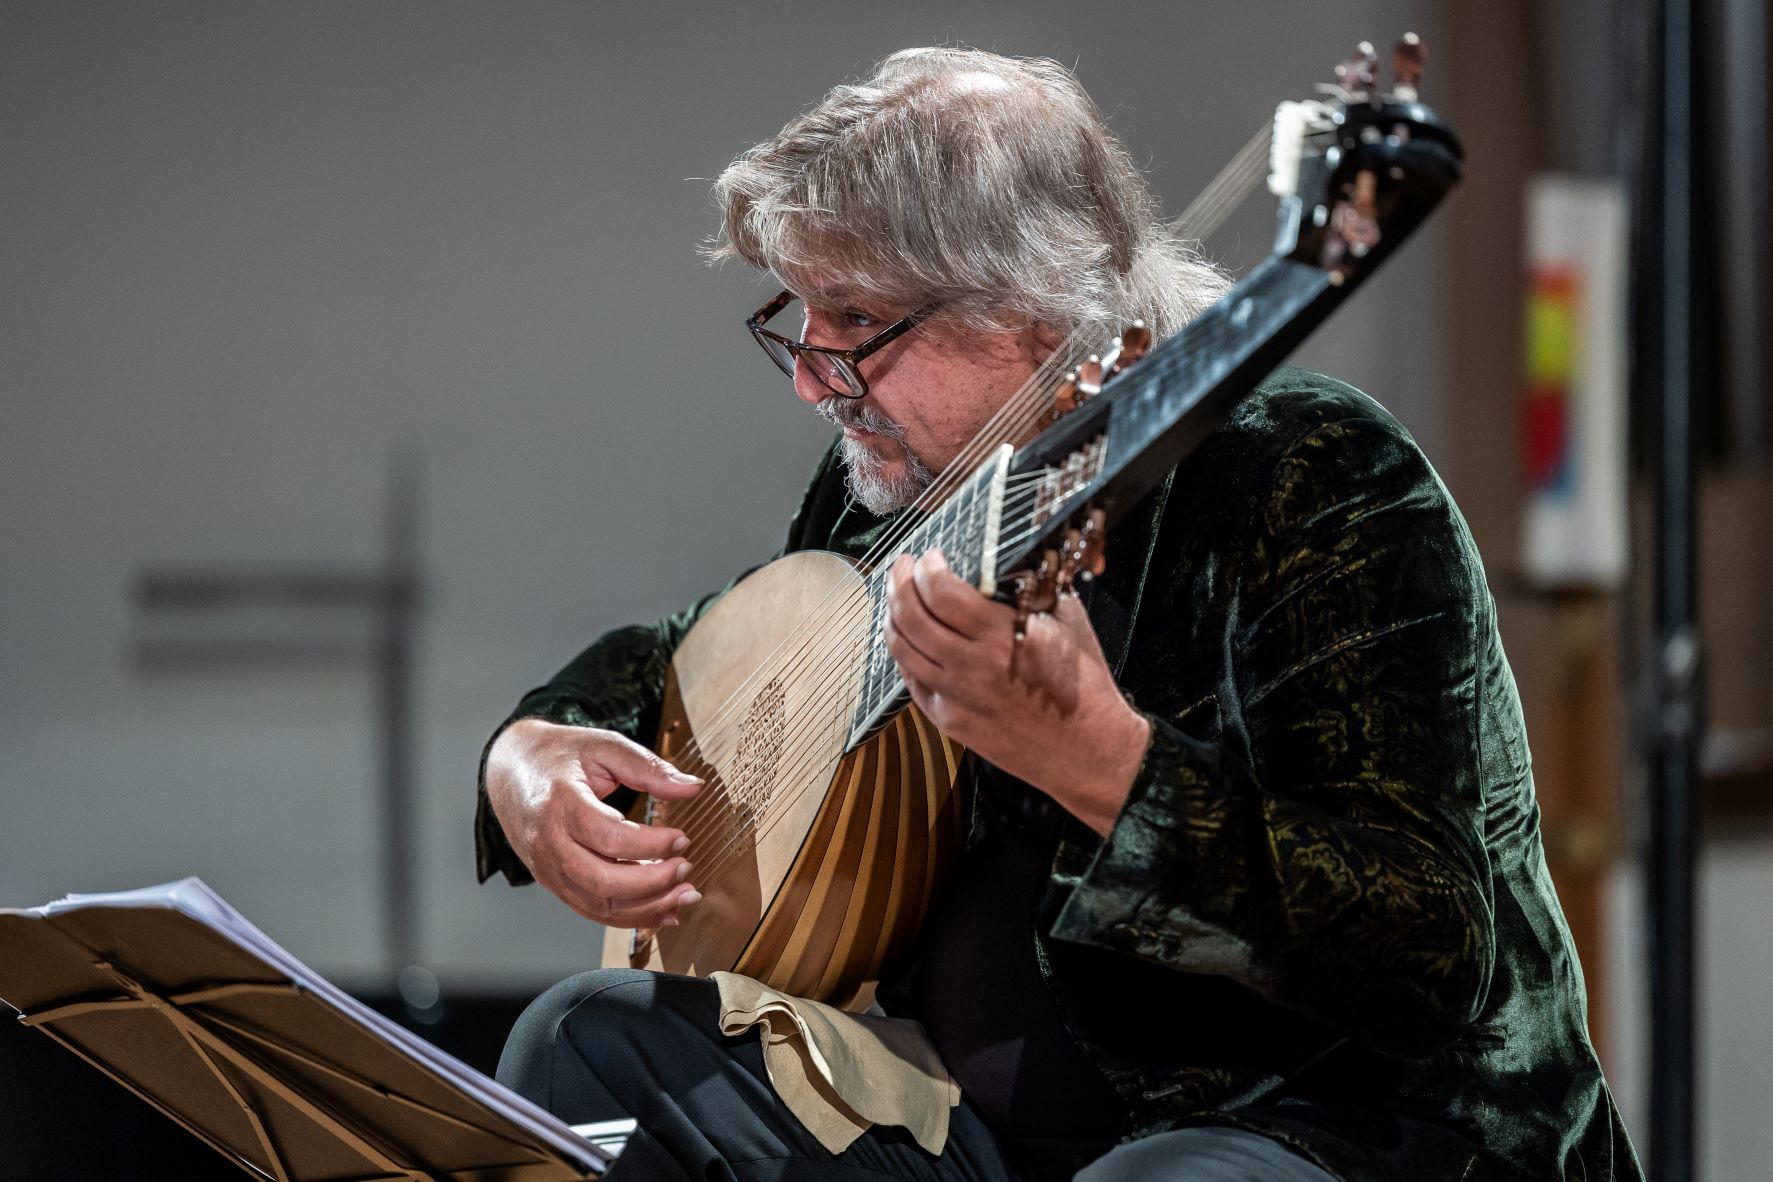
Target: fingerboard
[{"x": 965, "y": 528}]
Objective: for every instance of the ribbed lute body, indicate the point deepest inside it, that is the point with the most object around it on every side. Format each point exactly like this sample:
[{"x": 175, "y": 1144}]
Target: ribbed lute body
[{"x": 816, "y": 863}]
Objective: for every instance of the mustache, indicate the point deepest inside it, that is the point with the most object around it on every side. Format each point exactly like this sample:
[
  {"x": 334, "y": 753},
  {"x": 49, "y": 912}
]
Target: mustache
[{"x": 848, "y": 412}]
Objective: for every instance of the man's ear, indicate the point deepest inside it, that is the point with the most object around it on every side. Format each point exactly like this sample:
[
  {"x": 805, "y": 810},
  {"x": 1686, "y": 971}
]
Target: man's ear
[{"x": 1042, "y": 340}]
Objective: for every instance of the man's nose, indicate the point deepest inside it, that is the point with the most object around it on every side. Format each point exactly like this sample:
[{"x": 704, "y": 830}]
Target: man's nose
[{"x": 808, "y": 387}]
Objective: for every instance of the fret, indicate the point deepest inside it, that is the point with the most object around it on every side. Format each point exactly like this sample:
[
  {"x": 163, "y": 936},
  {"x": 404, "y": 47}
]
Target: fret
[{"x": 990, "y": 522}]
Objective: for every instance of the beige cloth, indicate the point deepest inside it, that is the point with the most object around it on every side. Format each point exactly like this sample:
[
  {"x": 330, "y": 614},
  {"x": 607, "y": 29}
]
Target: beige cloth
[{"x": 841, "y": 1073}]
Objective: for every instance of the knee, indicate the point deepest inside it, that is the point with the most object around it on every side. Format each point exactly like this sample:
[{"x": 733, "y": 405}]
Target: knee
[
  {"x": 584, "y": 999},
  {"x": 1203, "y": 1153},
  {"x": 1138, "y": 1162},
  {"x": 592, "y": 1015}
]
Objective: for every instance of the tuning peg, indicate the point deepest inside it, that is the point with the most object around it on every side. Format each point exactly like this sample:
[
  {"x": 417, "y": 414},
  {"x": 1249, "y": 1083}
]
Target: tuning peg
[
  {"x": 1408, "y": 57},
  {"x": 1356, "y": 74},
  {"x": 1037, "y": 591},
  {"x": 1134, "y": 343},
  {"x": 1357, "y": 218},
  {"x": 1071, "y": 555},
  {"x": 1089, "y": 378},
  {"x": 1065, "y": 399},
  {"x": 1092, "y": 550}
]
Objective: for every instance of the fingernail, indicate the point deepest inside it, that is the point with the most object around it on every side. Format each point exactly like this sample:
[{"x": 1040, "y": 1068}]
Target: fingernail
[
  {"x": 685, "y": 777},
  {"x": 681, "y": 844},
  {"x": 689, "y": 897},
  {"x": 670, "y": 922},
  {"x": 683, "y": 869}
]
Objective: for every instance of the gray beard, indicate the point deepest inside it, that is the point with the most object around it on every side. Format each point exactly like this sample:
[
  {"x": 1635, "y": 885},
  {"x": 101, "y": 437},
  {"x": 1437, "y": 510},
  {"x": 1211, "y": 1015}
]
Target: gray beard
[{"x": 871, "y": 482}]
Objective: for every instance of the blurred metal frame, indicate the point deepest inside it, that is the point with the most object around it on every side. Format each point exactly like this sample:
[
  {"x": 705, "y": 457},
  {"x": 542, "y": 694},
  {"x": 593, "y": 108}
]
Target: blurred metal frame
[{"x": 387, "y": 597}]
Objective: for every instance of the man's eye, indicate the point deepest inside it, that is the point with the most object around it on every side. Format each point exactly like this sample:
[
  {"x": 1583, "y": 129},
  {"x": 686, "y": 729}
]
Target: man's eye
[{"x": 859, "y": 320}]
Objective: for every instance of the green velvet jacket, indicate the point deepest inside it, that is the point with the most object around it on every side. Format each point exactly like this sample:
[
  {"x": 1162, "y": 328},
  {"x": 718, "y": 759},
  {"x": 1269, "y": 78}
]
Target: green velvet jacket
[{"x": 1323, "y": 913}]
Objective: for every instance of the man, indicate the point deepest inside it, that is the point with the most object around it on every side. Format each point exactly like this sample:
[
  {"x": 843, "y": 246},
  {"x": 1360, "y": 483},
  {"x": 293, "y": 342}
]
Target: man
[{"x": 1253, "y": 887}]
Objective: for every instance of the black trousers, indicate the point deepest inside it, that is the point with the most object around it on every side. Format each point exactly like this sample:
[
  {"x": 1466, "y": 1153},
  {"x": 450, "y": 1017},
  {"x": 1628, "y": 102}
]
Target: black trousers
[{"x": 625, "y": 1043}]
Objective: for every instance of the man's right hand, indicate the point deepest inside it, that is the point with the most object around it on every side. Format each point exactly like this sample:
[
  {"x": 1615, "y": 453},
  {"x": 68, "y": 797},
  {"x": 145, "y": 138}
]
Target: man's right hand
[{"x": 546, "y": 784}]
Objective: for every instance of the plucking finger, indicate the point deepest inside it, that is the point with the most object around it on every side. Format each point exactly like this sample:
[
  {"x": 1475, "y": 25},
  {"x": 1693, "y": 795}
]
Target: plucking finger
[
  {"x": 658, "y": 910},
  {"x": 621, "y": 881},
  {"x": 602, "y": 830}
]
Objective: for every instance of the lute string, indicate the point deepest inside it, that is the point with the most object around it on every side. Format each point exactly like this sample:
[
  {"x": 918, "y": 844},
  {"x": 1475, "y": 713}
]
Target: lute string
[
  {"x": 1035, "y": 393},
  {"x": 831, "y": 665},
  {"x": 805, "y": 754}
]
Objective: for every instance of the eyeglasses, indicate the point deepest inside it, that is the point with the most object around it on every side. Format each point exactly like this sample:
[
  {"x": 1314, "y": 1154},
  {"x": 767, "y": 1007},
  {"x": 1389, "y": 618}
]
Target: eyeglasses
[{"x": 838, "y": 370}]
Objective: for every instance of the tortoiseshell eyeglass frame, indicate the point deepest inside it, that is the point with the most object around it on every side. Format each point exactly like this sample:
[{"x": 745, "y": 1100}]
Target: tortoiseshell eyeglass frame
[{"x": 847, "y": 362}]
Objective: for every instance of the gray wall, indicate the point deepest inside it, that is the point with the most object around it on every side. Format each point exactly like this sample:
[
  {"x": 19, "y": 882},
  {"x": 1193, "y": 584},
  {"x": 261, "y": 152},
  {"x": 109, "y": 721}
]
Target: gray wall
[{"x": 246, "y": 250}]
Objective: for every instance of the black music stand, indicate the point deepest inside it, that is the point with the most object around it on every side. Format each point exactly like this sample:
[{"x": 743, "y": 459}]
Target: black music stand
[{"x": 175, "y": 997}]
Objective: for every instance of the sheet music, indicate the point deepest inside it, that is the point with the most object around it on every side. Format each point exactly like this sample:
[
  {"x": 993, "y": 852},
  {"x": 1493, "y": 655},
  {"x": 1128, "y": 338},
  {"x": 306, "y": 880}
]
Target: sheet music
[
  {"x": 609, "y": 1135},
  {"x": 192, "y": 897}
]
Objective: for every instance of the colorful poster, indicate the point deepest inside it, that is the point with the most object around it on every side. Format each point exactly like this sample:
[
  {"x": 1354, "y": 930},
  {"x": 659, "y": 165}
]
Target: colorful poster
[{"x": 1574, "y": 395}]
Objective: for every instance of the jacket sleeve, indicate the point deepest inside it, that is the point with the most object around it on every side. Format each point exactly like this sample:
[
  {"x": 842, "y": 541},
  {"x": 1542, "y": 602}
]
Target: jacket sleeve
[
  {"x": 1324, "y": 845},
  {"x": 616, "y": 684}
]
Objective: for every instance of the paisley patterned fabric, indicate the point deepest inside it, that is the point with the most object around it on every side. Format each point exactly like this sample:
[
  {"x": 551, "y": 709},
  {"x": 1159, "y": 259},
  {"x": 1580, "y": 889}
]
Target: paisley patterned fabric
[{"x": 1324, "y": 913}]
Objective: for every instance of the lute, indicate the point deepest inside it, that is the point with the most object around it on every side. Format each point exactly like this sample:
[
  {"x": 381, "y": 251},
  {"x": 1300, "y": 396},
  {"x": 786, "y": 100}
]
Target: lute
[{"x": 829, "y": 814}]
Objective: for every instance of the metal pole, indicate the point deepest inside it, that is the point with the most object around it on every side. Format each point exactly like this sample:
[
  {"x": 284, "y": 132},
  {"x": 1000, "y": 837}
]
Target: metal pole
[
  {"x": 394, "y": 695},
  {"x": 1743, "y": 170},
  {"x": 1667, "y": 300}
]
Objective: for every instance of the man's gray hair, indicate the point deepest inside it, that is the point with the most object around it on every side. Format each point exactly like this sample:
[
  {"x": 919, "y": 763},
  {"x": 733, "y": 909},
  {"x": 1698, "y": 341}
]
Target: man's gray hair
[{"x": 990, "y": 185}]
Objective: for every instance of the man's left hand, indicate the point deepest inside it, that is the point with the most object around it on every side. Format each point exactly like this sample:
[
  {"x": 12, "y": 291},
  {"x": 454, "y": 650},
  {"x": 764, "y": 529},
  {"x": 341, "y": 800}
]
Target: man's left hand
[{"x": 1045, "y": 708}]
